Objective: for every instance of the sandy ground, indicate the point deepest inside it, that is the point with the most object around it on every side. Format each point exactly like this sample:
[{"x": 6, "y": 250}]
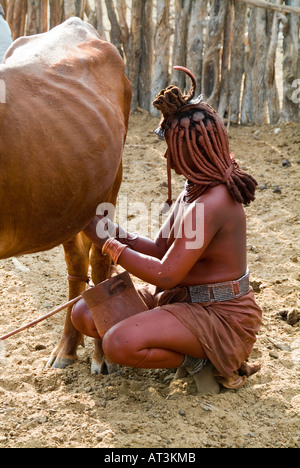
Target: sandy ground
[{"x": 42, "y": 407}]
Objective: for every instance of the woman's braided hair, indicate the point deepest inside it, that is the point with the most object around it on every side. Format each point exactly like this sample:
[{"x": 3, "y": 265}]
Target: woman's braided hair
[{"x": 195, "y": 127}]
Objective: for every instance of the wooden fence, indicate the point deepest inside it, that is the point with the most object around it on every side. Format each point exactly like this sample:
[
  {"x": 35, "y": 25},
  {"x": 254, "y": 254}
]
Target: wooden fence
[{"x": 245, "y": 54}]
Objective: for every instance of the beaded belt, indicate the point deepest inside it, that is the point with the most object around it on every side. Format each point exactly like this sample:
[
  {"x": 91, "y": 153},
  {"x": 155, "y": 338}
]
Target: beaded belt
[{"x": 220, "y": 292}]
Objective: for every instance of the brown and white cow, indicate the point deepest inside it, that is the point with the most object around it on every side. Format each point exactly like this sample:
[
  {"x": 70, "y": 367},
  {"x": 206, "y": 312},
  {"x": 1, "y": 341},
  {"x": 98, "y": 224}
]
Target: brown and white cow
[{"x": 65, "y": 103}]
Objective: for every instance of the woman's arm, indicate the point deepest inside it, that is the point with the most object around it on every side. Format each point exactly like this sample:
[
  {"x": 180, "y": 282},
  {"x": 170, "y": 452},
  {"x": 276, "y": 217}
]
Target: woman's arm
[
  {"x": 158, "y": 247},
  {"x": 98, "y": 234},
  {"x": 197, "y": 231}
]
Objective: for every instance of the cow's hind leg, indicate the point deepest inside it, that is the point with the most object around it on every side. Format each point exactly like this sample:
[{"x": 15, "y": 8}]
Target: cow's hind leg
[
  {"x": 77, "y": 259},
  {"x": 101, "y": 270}
]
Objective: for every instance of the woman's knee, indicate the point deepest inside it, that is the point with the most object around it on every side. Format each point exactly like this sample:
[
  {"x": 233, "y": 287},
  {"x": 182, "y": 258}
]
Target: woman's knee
[
  {"x": 114, "y": 346},
  {"x": 120, "y": 347},
  {"x": 83, "y": 321}
]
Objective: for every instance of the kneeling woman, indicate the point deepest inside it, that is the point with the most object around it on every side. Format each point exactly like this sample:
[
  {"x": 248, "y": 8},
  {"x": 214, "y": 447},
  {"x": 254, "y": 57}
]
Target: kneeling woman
[{"x": 202, "y": 313}]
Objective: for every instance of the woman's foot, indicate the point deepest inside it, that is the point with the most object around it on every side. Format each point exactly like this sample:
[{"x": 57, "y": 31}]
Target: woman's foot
[
  {"x": 204, "y": 378},
  {"x": 206, "y": 381}
]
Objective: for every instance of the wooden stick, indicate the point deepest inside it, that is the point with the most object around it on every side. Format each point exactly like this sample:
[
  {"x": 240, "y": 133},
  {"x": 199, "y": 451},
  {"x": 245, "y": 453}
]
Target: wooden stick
[
  {"x": 272, "y": 6},
  {"x": 41, "y": 319}
]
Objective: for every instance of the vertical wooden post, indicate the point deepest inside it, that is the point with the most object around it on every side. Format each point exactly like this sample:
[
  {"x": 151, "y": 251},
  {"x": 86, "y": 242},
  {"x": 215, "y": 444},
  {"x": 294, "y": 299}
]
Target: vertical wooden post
[
  {"x": 258, "y": 70},
  {"x": 33, "y": 17},
  {"x": 44, "y": 16},
  {"x": 10, "y": 13},
  {"x": 183, "y": 8},
  {"x": 99, "y": 15},
  {"x": 121, "y": 10},
  {"x": 291, "y": 66},
  {"x": 246, "y": 111},
  {"x": 135, "y": 44},
  {"x": 211, "y": 66},
  {"x": 115, "y": 31},
  {"x": 146, "y": 62},
  {"x": 161, "y": 50},
  {"x": 19, "y": 18},
  {"x": 4, "y": 5},
  {"x": 254, "y": 108},
  {"x": 226, "y": 54},
  {"x": 237, "y": 61},
  {"x": 81, "y": 4},
  {"x": 195, "y": 41},
  {"x": 70, "y": 8},
  {"x": 16, "y": 16},
  {"x": 74, "y": 8},
  {"x": 270, "y": 69},
  {"x": 57, "y": 15},
  {"x": 91, "y": 14}
]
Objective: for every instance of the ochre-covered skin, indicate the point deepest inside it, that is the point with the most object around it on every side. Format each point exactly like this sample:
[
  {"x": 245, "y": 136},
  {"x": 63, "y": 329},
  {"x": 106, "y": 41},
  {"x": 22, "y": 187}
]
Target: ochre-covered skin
[
  {"x": 62, "y": 133},
  {"x": 223, "y": 331}
]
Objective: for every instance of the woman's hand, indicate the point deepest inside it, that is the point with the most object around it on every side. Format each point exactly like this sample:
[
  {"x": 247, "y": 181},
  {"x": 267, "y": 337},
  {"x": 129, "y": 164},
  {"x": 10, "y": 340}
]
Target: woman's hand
[{"x": 97, "y": 232}]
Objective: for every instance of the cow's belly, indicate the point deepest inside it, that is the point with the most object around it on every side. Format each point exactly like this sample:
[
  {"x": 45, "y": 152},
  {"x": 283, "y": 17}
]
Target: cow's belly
[
  {"x": 62, "y": 131},
  {"x": 61, "y": 159}
]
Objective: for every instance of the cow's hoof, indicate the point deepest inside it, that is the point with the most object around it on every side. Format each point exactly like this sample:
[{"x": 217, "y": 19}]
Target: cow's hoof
[
  {"x": 103, "y": 367},
  {"x": 59, "y": 363},
  {"x": 112, "y": 368},
  {"x": 97, "y": 368}
]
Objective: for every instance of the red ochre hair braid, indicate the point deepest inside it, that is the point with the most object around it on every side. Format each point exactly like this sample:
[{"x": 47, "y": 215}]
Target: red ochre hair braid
[{"x": 196, "y": 127}]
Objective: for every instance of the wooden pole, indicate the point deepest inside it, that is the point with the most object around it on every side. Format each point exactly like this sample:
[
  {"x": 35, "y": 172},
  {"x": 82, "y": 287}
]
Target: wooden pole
[
  {"x": 144, "y": 96},
  {"x": 16, "y": 16},
  {"x": 115, "y": 30},
  {"x": 226, "y": 54},
  {"x": 99, "y": 15},
  {"x": 270, "y": 69},
  {"x": 237, "y": 68},
  {"x": 291, "y": 67},
  {"x": 272, "y": 6},
  {"x": 183, "y": 9},
  {"x": 135, "y": 44},
  {"x": 44, "y": 16},
  {"x": 212, "y": 58},
  {"x": 56, "y": 12},
  {"x": 195, "y": 40},
  {"x": 160, "y": 78}
]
